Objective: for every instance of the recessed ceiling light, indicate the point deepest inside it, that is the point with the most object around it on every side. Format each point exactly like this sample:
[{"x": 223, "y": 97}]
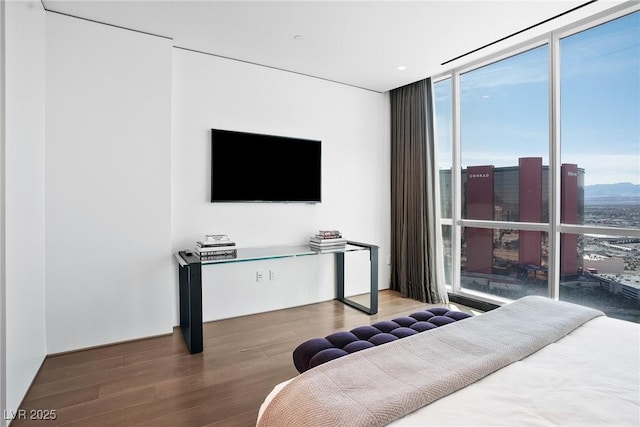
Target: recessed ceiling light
[{"x": 402, "y": 68}]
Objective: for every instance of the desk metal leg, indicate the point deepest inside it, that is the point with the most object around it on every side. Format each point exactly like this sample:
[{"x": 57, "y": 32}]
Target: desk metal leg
[
  {"x": 373, "y": 264},
  {"x": 373, "y": 295},
  {"x": 190, "y": 281},
  {"x": 340, "y": 275}
]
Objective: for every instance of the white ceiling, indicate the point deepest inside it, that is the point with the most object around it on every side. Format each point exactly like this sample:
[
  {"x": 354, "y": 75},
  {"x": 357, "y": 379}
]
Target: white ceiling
[{"x": 359, "y": 43}]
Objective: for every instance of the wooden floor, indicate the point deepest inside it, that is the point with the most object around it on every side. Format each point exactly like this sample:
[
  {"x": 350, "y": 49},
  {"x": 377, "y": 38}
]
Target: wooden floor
[{"x": 156, "y": 382}]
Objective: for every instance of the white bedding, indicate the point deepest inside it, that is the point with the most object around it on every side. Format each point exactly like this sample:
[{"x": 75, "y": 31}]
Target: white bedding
[{"x": 591, "y": 377}]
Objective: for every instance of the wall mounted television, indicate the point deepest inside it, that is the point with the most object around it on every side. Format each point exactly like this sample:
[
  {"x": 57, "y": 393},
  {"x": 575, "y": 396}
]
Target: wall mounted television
[{"x": 250, "y": 167}]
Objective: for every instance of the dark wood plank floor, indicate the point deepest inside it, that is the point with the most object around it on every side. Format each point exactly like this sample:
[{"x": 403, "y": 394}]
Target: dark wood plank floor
[{"x": 156, "y": 382}]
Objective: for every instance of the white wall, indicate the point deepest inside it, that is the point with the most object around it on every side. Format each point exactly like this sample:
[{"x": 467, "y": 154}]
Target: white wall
[
  {"x": 353, "y": 124},
  {"x": 89, "y": 218},
  {"x": 3, "y": 366},
  {"x": 24, "y": 197},
  {"x": 124, "y": 190},
  {"x": 108, "y": 195}
]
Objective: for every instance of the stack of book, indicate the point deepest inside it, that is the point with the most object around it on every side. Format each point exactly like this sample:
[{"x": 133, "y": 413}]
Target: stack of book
[
  {"x": 216, "y": 246},
  {"x": 327, "y": 241}
]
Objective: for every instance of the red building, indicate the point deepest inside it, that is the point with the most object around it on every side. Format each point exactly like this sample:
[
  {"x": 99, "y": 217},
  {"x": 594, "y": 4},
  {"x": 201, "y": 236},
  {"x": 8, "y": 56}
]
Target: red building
[
  {"x": 479, "y": 197},
  {"x": 569, "y": 215},
  {"x": 530, "y": 200},
  {"x": 519, "y": 194}
]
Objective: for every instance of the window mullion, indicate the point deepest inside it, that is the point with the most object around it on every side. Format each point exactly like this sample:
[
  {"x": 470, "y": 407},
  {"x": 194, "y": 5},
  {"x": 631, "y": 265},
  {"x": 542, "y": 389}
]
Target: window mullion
[
  {"x": 554, "y": 167},
  {"x": 456, "y": 178},
  {"x": 440, "y": 274}
]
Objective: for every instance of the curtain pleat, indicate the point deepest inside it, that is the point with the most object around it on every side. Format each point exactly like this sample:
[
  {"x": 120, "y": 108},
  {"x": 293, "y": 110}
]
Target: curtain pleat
[{"x": 413, "y": 263}]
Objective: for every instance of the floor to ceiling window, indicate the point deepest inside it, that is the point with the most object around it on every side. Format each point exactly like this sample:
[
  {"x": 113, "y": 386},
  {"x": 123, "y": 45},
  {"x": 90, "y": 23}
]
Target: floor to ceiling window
[
  {"x": 443, "y": 122},
  {"x": 538, "y": 152}
]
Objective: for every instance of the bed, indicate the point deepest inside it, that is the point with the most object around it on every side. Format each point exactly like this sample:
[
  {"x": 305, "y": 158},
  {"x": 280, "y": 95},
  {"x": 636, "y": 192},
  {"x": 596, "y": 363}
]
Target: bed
[{"x": 532, "y": 362}]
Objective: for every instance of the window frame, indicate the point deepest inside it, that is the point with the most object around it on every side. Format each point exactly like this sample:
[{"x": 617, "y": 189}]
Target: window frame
[{"x": 554, "y": 227}]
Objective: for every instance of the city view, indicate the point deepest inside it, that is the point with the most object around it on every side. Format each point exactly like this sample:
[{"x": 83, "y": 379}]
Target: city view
[
  {"x": 607, "y": 272},
  {"x": 505, "y": 140},
  {"x": 611, "y": 265}
]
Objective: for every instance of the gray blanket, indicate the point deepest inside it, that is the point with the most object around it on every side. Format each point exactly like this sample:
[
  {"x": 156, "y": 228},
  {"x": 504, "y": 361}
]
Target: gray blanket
[{"x": 376, "y": 386}]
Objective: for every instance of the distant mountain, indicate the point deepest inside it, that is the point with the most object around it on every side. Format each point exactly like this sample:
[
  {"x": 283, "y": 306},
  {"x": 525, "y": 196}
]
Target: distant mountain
[{"x": 623, "y": 192}]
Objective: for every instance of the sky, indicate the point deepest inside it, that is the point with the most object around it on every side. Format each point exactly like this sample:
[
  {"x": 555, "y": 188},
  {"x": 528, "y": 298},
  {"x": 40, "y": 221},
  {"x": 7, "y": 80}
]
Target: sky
[{"x": 505, "y": 108}]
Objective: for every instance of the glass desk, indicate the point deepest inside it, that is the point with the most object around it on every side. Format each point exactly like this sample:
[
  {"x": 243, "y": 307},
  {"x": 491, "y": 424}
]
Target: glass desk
[{"x": 190, "y": 280}]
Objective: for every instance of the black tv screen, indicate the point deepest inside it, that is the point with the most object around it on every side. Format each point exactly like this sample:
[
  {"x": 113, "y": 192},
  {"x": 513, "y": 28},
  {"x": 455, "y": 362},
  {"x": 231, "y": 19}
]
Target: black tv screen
[{"x": 250, "y": 167}]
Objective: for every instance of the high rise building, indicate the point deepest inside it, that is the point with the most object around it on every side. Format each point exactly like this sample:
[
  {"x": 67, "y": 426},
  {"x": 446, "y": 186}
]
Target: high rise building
[
  {"x": 530, "y": 208},
  {"x": 518, "y": 194},
  {"x": 480, "y": 205}
]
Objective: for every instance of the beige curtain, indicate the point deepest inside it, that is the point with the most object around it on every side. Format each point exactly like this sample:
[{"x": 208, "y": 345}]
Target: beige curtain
[{"x": 413, "y": 243}]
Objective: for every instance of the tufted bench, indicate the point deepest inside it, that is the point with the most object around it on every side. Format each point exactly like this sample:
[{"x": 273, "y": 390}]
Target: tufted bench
[{"x": 316, "y": 351}]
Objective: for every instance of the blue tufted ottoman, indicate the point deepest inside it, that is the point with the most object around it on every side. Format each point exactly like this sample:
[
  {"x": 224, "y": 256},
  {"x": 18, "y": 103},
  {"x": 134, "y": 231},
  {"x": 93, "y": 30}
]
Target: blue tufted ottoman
[{"x": 316, "y": 351}]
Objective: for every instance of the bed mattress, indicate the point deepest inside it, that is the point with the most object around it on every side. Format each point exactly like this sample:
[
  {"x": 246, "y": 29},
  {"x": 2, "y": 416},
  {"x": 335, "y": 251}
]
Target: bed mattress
[{"x": 589, "y": 377}]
